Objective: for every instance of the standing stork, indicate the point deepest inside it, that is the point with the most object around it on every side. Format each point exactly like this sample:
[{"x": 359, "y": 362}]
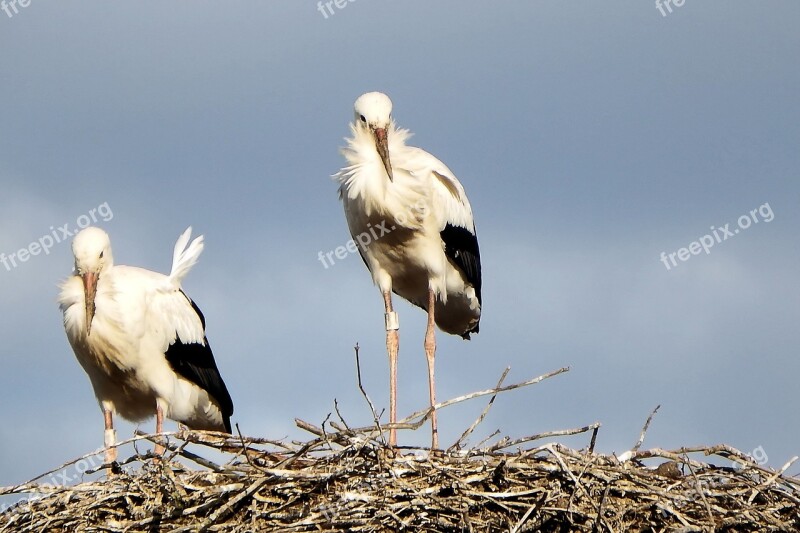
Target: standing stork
[
  {"x": 413, "y": 222},
  {"x": 141, "y": 340}
]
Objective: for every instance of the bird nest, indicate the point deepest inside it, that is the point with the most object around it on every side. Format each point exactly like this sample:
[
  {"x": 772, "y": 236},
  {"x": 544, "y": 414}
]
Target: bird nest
[{"x": 348, "y": 479}]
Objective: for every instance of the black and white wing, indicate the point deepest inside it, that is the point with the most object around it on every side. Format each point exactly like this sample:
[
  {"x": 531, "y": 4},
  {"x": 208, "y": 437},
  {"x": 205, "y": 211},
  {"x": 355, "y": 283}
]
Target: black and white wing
[
  {"x": 457, "y": 226},
  {"x": 194, "y": 361}
]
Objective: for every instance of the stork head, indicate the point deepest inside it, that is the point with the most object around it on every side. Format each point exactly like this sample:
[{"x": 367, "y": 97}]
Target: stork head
[
  {"x": 92, "y": 250},
  {"x": 373, "y": 112}
]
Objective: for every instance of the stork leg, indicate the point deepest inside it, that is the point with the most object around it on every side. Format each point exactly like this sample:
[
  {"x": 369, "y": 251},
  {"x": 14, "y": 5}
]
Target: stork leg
[
  {"x": 430, "y": 353},
  {"x": 159, "y": 448},
  {"x": 110, "y": 437},
  {"x": 392, "y": 346}
]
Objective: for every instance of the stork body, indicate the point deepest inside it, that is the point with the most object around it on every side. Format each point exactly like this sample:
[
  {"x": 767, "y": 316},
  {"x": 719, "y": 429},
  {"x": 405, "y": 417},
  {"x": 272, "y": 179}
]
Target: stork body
[
  {"x": 413, "y": 222},
  {"x": 141, "y": 339}
]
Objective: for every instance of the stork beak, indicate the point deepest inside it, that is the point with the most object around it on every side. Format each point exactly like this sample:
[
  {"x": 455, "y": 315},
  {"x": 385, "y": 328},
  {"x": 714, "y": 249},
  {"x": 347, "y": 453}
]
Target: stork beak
[
  {"x": 382, "y": 145},
  {"x": 89, "y": 292}
]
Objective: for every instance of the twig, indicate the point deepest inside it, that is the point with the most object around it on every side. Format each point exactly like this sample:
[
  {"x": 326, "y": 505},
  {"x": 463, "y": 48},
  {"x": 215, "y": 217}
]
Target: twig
[
  {"x": 447, "y": 403},
  {"x": 644, "y": 430},
  {"x": 375, "y": 416},
  {"x": 228, "y": 507},
  {"x": 599, "y": 518},
  {"x": 487, "y": 439},
  {"x": 245, "y": 450},
  {"x": 546, "y": 435},
  {"x": 699, "y": 488},
  {"x": 771, "y": 479},
  {"x": 73, "y": 461},
  {"x": 469, "y": 430},
  {"x": 532, "y": 509},
  {"x": 593, "y": 441},
  {"x": 339, "y": 414},
  {"x": 180, "y": 451},
  {"x": 423, "y": 414}
]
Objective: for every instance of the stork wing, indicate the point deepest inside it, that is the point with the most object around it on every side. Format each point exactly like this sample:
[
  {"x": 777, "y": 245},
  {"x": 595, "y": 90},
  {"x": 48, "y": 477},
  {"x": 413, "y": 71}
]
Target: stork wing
[
  {"x": 174, "y": 319},
  {"x": 461, "y": 247},
  {"x": 457, "y": 227},
  {"x": 189, "y": 354}
]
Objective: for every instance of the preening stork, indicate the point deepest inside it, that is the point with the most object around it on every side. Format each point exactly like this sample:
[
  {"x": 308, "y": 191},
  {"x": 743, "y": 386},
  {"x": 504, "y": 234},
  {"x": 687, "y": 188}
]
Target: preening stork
[
  {"x": 425, "y": 248},
  {"x": 141, "y": 339}
]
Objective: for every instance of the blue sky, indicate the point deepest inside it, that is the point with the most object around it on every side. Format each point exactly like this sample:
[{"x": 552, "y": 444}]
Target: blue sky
[{"x": 590, "y": 137}]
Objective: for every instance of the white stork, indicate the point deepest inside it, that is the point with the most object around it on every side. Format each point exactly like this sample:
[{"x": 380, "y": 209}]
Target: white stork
[
  {"x": 413, "y": 222},
  {"x": 141, "y": 340}
]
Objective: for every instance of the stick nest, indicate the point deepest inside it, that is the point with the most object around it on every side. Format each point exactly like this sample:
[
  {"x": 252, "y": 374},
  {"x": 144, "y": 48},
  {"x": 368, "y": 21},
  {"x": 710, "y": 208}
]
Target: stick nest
[{"x": 348, "y": 479}]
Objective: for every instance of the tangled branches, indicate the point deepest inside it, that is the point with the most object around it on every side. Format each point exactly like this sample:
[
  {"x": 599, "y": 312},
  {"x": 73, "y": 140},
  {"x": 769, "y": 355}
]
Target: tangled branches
[{"x": 347, "y": 479}]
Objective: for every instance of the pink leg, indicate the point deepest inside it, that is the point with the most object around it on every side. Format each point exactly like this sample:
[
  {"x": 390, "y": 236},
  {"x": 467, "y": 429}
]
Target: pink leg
[
  {"x": 159, "y": 448},
  {"x": 392, "y": 346},
  {"x": 110, "y": 437},
  {"x": 430, "y": 353}
]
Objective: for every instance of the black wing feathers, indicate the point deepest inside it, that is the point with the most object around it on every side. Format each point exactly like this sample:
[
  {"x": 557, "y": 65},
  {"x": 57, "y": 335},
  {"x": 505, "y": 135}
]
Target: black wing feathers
[
  {"x": 461, "y": 247},
  {"x": 195, "y": 362}
]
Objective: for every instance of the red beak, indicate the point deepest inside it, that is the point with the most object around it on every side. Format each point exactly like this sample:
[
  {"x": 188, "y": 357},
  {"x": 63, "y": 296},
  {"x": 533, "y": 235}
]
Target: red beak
[
  {"x": 382, "y": 145},
  {"x": 89, "y": 292}
]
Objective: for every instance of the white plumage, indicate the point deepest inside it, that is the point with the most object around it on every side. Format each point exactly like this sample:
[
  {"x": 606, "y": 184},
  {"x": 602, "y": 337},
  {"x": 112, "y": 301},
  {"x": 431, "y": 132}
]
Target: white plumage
[
  {"x": 425, "y": 249},
  {"x": 141, "y": 340}
]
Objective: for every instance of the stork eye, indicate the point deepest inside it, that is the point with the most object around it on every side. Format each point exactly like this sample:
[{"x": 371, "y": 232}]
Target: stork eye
[
  {"x": 101, "y": 254},
  {"x": 363, "y": 119}
]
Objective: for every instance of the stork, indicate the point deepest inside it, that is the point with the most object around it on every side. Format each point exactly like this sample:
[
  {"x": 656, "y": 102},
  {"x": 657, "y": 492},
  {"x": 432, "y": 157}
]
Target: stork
[
  {"x": 414, "y": 227},
  {"x": 141, "y": 339}
]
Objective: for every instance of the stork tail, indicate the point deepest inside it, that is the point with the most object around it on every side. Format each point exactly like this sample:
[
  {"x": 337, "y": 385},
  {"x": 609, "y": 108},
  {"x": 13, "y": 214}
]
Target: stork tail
[{"x": 183, "y": 257}]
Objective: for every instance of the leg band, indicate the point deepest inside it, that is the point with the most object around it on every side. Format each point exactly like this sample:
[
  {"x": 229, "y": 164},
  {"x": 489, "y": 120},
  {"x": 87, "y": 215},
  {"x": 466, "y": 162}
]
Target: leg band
[
  {"x": 110, "y": 438},
  {"x": 392, "y": 321}
]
